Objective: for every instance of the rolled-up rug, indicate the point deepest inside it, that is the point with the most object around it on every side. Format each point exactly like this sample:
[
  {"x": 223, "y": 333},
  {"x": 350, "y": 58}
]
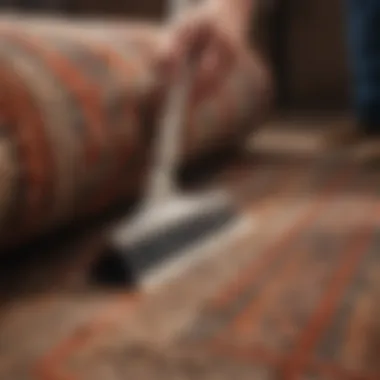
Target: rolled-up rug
[{"x": 74, "y": 96}]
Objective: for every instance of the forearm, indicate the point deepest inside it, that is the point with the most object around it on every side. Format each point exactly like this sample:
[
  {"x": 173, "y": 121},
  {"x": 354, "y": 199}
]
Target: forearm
[
  {"x": 237, "y": 13},
  {"x": 241, "y": 8}
]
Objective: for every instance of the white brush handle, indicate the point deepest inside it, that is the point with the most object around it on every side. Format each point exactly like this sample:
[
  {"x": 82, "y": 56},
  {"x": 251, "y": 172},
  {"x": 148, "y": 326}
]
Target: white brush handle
[
  {"x": 176, "y": 7},
  {"x": 173, "y": 120}
]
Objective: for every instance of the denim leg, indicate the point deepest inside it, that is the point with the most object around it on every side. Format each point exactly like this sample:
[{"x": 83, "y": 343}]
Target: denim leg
[{"x": 363, "y": 30}]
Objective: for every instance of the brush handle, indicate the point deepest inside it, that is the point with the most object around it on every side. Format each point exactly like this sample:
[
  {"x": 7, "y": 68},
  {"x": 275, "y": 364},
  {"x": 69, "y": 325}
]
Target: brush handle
[
  {"x": 176, "y": 7},
  {"x": 173, "y": 119}
]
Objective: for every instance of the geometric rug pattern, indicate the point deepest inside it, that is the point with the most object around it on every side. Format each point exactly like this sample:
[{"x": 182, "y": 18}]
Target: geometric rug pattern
[{"x": 305, "y": 305}]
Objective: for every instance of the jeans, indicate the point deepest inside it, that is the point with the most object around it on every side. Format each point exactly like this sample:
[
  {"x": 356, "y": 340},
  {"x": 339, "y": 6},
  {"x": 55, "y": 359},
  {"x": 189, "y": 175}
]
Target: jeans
[{"x": 363, "y": 31}]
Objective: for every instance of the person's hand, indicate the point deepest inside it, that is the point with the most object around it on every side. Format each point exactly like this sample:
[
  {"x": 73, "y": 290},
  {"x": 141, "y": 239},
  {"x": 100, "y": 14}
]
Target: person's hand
[{"x": 209, "y": 36}]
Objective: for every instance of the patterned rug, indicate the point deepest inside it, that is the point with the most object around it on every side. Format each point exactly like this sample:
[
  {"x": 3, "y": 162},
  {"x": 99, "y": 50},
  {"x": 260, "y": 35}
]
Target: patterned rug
[{"x": 298, "y": 299}]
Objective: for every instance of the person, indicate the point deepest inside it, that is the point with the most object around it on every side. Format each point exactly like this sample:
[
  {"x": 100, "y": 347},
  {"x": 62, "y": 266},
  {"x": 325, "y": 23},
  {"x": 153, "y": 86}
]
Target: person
[
  {"x": 215, "y": 31},
  {"x": 221, "y": 26},
  {"x": 363, "y": 48},
  {"x": 363, "y": 18}
]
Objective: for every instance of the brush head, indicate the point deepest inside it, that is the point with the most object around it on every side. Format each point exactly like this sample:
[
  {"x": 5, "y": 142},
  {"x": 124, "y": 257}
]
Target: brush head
[{"x": 162, "y": 232}]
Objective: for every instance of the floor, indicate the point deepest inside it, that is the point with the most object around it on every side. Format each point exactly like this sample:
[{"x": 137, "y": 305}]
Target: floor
[{"x": 296, "y": 297}]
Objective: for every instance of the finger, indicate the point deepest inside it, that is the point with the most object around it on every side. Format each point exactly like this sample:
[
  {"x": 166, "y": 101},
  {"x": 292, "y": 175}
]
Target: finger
[
  {"x": 227, "y": 50},
  {"x": 216, "y": 63},
  {"x": 208, "y": 75},
  {"x": 167, "y": 58}
]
